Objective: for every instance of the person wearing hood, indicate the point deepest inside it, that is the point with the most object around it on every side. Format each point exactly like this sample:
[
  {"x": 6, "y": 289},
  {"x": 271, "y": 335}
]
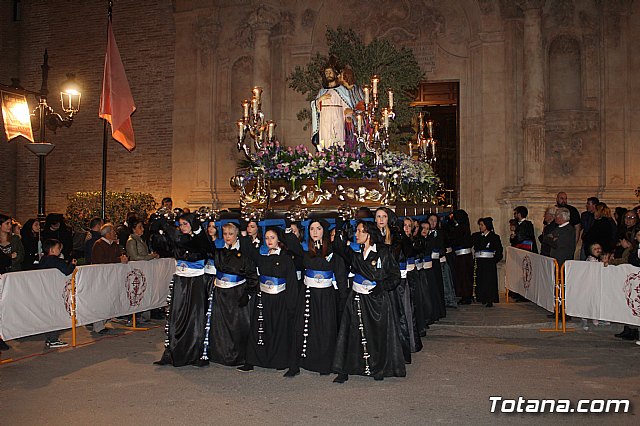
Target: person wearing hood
[
  {"x": 368, "y": 342},
  {"x": 460, "y": 237},
  {"x": 325, "y": 289},
  {"x": 273, "y": 308},
  {"x": 188, "y": 298},
  {"x": 487, "y": 249}
]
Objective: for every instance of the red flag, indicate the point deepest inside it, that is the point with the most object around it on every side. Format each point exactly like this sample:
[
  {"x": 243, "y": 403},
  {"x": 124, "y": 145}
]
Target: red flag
[{"x": 116, "y": 102}]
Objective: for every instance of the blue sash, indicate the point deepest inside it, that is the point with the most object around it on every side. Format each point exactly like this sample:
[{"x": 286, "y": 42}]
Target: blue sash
[
  {"x": 228, "y": 277},
  {"x": 272, "y": 280},
  {"x": 198, "y": 264},
  {"x": 312, "y": 273}
]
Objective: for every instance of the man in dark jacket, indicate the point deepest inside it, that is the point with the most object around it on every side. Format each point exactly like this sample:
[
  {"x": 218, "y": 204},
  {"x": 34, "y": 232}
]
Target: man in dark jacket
[
  {"x": 94, "y": 229},
  {"x": 524, "y": 236},
  {"x": 562, "y": 240}
]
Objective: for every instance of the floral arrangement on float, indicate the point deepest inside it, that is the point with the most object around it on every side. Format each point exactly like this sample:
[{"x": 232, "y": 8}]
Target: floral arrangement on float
[{"x": 357, "y": 159}]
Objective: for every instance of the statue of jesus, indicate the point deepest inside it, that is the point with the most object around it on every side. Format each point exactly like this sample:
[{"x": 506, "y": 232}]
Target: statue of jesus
[{"x": 329, "y": 109}]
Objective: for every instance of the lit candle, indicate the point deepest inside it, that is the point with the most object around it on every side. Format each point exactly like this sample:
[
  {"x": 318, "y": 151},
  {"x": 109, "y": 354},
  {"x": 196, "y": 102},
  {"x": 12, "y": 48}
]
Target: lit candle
[
  {"x": 390, "y": 99},
  {"x": 410, "y": 155},
  {"x": 385, "y": 115},
  {"x": 257, "y": 92},
  {"x": 365, "y": 89},
  {"x": 254, "y": 105},
  {"x": 272, "y": 127},
  {"x": 245, "y": 109},
  {"x": 240, "y": 128},
  {"x": 374, "y": 84},
  {"x": 359, "y": 122},
  {"x": 430, "y": 128}
]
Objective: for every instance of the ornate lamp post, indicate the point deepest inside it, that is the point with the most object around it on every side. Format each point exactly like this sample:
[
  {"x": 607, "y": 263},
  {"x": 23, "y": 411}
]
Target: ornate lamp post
[{"x": 70, "y": 98}]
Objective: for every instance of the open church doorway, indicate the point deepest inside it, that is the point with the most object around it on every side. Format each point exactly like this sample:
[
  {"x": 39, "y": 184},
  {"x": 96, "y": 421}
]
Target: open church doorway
[{"x": 438, "y": 101}]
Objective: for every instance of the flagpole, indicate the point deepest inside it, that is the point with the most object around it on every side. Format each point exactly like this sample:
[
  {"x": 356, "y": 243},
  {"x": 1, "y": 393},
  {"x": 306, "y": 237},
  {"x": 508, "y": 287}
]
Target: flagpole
[{"x": 105, "y": 138}]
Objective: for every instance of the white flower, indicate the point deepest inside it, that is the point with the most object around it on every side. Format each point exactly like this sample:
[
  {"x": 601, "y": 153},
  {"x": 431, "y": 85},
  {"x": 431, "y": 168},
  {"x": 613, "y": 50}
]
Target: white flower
[{"x": 355, "y": 165}]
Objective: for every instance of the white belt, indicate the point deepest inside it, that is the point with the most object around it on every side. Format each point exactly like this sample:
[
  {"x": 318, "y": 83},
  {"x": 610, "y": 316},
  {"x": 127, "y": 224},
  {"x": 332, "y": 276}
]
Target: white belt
[
  {"x": 182, "y": 271},
  {"x": 273, "y": 288},
  {"x": 485, "y": 254},
  {"x": 318, "y": 282},
  {"x": 443, "y": 259},
  {"x": 361, "y": 288},
  {"x": 463, "y": 251},
  {"x": 419, "y": 265},
  {"x": 228, "y": 284},
  {"x": 427, "y": 265},
  {"x": 449, "y": 250},
  {"x": 435, "y": 255},
  {"x": 403, "y": 273},
  {"x": 210, "y": 269},
  {"x": 411, "y": 266},
  {"x": 299, "y": 275}
]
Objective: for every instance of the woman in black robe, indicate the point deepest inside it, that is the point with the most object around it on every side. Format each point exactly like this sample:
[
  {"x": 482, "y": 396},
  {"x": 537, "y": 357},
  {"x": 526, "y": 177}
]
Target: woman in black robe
[
  {"x": 385, "y": 220},
  {"x": 316, "y": 321},
  {"x": 273, "y": 308},
  {"x": 436, "y": 243},
  {"x": 487, "y": 249},
  {"x": 428, "y": 276},
  {"x": 463, "y": 264},
  {"x": 369, "y": 338},
  {"x": 235, "y": 280},
  {"x": 187, "y": 301},
  {"x": 407, "y": 268},
  {"x": 441, "y": 243}
]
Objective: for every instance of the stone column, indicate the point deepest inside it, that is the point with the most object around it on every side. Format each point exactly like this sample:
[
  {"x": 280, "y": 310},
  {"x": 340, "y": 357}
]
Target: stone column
[
  {"x": 533, "y": 123},
  {"x": 261, "y": 21}
]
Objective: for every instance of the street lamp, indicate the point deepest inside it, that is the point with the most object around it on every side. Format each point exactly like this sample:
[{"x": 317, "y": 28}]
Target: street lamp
[{"x": 70, "y": 99}]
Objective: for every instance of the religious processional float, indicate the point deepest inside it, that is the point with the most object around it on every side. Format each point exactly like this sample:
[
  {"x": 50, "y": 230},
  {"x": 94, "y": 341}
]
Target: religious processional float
[{"x": 356, "y": 131}]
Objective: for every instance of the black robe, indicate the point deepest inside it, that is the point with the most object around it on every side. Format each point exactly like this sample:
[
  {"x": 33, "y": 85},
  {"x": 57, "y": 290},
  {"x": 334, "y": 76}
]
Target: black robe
[
  {"x": 399, "y": 295},
  {"x": 437, "y": 249},
  {"x": 272, "y": 315},
  {"x": 369, "y": 337},
  {"x": 316, "y": 321},
  {"x": 486, "y": 276},
  {"x": 188, "y": 302},
  {"x": 229, "y": 328},
  {"x": 409, "y": 295},
  {"x": 460, "y": 239}
]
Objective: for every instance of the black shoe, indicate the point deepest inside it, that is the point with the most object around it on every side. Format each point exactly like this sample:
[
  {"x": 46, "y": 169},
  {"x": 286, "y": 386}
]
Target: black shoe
[
  {"x": 202, "y": 363},
  {"x": 489, "y": 305},
  {"x": 423, "y": 333},
  {"x": 245, "y": 368},
  {"x": 324, "y": 374},
  {"x": 4, "y": 346},
  {"x": 633, "y": 335},
  {"x": 626, "y": 331},
  {"x": 378, "y": 377},
  {"x": 341, "y": 378},
  {"x": 292, "y": 372},
  {"x": 103, "y": 332}
]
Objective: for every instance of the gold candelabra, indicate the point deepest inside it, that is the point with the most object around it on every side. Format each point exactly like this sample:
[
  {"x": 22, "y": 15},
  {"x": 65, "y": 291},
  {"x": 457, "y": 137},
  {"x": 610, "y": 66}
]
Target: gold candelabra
[
  {"x": 426, "y": 146},
  {"x": 372, "y": 124},
  {"x": 253, "y": 123}
]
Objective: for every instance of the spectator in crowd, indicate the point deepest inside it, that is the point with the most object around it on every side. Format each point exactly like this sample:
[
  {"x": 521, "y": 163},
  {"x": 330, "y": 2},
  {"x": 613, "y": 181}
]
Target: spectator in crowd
[
  {"x": 523, "y": 237},
  {"x": 587, "y": 218},
  {"x": 167, "y": 203},
  {"x": 549, "y": 224},
  {"x": 56, "y": 228},
  {"x": 11, "y": 249},
  {"x": 562, "y": 240},
  {"x": 32, "y": 244},
  {"x": 16, "y": 227},
  {"x": 595, "y": 255},
  {"x": 603, "y": 230},
  {"x": 94, "y": 235},
  {"x": 626, "y": 230},
  {"x": 562, "y": 201},
  {"x": 628, "y": 244},
  {"x": 106, "y": 250},
  {"x": 11, "y": 255},
  {"x": 136, "y": 248},
  {"x": 618, "y": 216},
  {"x": 52, "y": 260},
  {"x": 123, "y": 230}
]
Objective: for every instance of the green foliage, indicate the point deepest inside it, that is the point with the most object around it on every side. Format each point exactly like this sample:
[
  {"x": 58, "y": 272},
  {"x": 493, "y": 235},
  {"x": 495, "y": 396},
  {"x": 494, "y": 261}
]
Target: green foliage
[
  {"x": 83, "y": 206},
  {"x": 397, "y": 69}
]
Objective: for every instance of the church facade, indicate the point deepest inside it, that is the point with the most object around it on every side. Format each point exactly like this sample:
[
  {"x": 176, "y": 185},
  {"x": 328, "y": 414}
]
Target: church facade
[{"x": 549, "y": 94}]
